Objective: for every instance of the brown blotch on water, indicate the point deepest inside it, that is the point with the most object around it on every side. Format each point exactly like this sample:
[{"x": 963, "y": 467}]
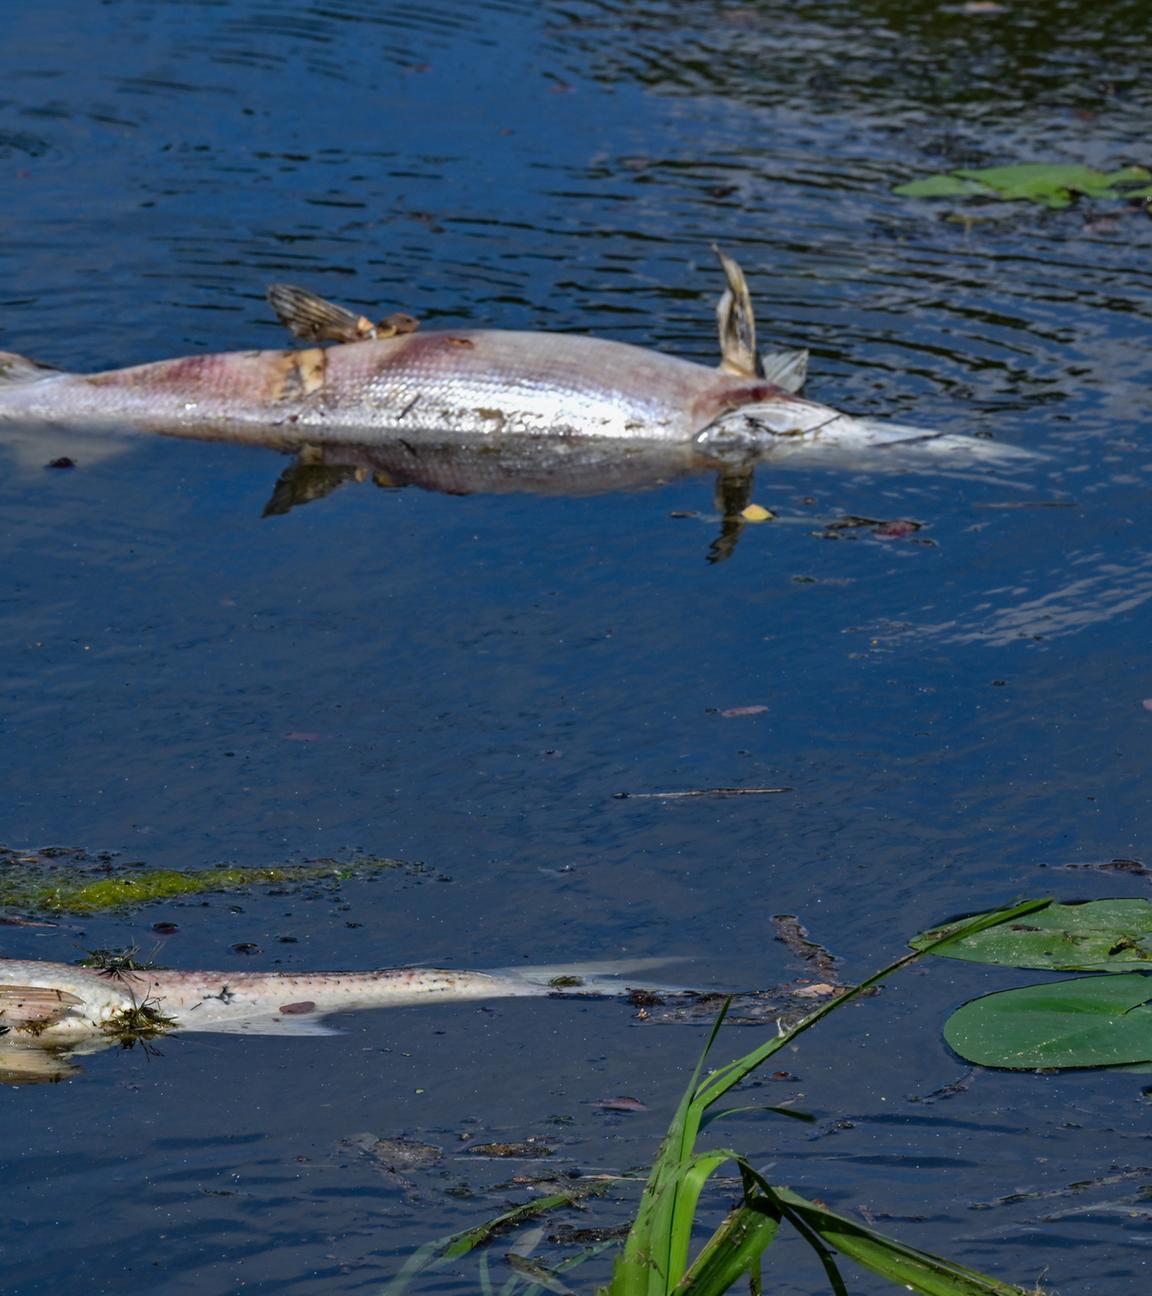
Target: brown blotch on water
[{"x": 298, "y": 1009}]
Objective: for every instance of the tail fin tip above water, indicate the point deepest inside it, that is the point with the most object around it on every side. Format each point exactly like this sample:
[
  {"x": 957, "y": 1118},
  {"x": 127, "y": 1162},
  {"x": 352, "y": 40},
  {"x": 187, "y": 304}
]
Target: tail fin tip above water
[{"x": 17, "y": 370}]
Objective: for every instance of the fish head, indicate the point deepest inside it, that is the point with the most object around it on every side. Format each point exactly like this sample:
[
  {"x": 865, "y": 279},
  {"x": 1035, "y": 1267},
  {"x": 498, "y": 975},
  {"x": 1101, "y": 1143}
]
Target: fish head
[{"x": 755, "y": 418}]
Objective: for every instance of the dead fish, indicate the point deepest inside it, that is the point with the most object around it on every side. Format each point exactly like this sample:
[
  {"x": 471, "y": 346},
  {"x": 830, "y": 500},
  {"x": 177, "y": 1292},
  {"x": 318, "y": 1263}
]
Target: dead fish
[
  {"x": 57, "y": 1004},
  {"x": 471, "y": 384}
]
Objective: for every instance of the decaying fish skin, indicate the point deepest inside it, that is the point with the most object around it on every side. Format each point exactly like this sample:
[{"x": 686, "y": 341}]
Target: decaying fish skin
[
  {"x": 468, "y": 384},
  {"x": 59, "y": 1005}
]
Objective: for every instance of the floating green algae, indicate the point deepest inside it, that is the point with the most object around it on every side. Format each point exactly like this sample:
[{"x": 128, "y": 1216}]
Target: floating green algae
[{"x": 69, "y": 880}]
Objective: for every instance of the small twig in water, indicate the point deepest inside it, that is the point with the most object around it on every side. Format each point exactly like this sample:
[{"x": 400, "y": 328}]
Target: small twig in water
[{"x": 700, "y": 792}]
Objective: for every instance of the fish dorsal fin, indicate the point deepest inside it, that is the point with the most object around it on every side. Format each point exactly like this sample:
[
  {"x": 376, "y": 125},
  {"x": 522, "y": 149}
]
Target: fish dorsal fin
[
  {"x": 307, "y": 316},
  {"x": 736, "y": 321},
  {"x": 34, "y": 1005},
  {"x": 16, "y": 370},
  {"x": 312, "y": 318}
]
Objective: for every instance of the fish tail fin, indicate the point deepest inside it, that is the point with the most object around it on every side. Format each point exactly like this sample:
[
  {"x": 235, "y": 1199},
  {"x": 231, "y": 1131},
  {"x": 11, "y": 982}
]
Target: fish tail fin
[
  {"x": 18, "y": 371},
  {"x": 613, "y": 977},
  {"x": 736, "y": 321}
]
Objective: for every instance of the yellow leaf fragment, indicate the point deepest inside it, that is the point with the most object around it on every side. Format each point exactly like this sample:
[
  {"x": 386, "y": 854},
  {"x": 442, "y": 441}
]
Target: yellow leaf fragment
[{"x": 757, "y": 513}]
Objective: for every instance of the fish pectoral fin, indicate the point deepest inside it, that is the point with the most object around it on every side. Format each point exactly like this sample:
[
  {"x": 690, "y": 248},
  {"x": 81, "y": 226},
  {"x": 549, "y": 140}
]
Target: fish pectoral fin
[
  {"x": 736, "y": 321},
  {"x": 787, "y": 370},
  {"x": 312, "y": 318},
  {"x": 34, "y": 1005}
]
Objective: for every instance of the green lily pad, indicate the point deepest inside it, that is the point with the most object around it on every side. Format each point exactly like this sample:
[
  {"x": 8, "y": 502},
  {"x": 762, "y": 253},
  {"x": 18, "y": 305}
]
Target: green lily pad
[
  {"x": 1088, "y": 1022},
  {"x": 1053, "y": 184},
  {"x": 1099, "y": 936}
]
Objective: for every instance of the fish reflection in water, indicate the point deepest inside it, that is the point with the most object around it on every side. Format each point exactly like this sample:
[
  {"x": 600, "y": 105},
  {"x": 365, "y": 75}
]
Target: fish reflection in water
[{"x": 536, "y": 466}]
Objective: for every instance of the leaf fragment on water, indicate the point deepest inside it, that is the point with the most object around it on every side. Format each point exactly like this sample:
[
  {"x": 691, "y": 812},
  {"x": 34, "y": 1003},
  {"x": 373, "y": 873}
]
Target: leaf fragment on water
[{"x": 756, "y": 513}]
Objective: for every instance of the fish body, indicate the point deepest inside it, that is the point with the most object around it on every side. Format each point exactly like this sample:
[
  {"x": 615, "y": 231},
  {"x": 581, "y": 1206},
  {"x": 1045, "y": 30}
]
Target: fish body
[
  {"x": 56, "y": 1004},
  {"x": 481, "y": 386},
  {"x": 470, "y": 383}
]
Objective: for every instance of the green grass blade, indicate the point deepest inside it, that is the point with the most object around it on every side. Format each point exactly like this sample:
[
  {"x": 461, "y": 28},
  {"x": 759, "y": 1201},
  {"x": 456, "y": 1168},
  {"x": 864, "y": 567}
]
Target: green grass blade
[
  {"x": 918, "y": 1270},
  {"x": 461, "y": 1243},
  {"x": 540, "y": 1275},
  {"x": 424, "y": 1257},
  {"x": 693, "y": 1177},
  {"x": 732, "y": 1251},
  {"x": 644, "y": 1264},
  {"x": 791, "y": 1113}
]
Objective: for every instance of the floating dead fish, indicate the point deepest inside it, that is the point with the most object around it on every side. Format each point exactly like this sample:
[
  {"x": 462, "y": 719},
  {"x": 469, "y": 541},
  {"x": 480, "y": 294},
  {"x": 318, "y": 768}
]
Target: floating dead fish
[
  {"x": 51, "y": 1013},
  {"x": 60, "y": 1003},
  {"x": 470, "y": 385}
]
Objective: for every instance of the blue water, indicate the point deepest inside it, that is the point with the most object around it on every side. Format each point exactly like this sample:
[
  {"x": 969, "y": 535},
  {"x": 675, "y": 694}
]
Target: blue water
[{"x": 468, "y": 680}]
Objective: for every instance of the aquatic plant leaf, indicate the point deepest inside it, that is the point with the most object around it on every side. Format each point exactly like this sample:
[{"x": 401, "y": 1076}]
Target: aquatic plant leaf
[
  {"x": 1089, "y": 1022},
  {"x": 1053, "y": 184},
  {"x": 1098, "y": 936}
]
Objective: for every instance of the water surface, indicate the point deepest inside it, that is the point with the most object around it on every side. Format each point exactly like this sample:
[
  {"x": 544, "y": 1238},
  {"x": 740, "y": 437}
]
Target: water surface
[{"x": 468, "y": 680}]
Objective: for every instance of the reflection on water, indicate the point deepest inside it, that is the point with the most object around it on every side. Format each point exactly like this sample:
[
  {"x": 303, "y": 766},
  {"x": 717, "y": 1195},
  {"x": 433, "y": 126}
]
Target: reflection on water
[
  {"x": 1087, "y": 588},
  {"x": 876, "y": 55}
]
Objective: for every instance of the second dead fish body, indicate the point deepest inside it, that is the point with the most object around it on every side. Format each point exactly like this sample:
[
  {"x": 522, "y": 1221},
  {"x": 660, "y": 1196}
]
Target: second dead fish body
[
  {"x": 57, "y": 1004},
  {"x": 54, "y": 1013}
]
